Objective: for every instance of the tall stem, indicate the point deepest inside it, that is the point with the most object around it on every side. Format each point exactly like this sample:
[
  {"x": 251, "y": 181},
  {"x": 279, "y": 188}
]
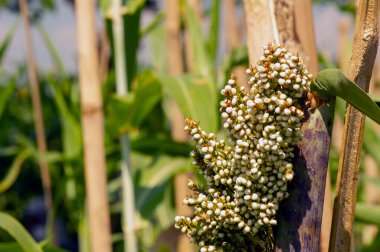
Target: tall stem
[
  {"x": 37, "y": 110},
  {"x": 298, "y": 227},
  {"x": 363, "y": 56},
  {"x": 122, "y": 89},
  {"x": 93, "y": 128}
]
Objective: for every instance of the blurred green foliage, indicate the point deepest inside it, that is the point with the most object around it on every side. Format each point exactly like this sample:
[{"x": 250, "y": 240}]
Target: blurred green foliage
[{"x": 143, "y": 114}]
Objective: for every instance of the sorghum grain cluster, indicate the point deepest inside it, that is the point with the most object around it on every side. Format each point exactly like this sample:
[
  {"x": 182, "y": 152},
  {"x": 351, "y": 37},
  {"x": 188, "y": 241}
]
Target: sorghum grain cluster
[{"x": 247, "y": 176}]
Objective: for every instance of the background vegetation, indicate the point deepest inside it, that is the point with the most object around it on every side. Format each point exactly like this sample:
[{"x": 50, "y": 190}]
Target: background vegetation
[{"x": 145, "y": 115}]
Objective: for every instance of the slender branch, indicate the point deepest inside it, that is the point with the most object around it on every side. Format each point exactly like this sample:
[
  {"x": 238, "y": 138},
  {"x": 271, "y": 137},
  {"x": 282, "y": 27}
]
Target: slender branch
[
  {"x": 175, "y": 68},
  {"x": 37, "y": 109},
  {"x": 122, "y": 89},
  {"x": 93, "y": 128},
  {"x": 363, "y": 57}
]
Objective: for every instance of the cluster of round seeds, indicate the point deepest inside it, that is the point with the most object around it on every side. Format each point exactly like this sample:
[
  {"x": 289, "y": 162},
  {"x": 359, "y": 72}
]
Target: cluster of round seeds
[{"x": 247, "y": 176}]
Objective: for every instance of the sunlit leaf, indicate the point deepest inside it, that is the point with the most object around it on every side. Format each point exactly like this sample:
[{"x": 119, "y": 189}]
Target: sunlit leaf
[
  {"x": 368, "y": 213},
  {"x": 332, "y": 82},
  {"x": 14, "y": 171},
  {"x": 128, "y": 112},
  {"x": 18, "y": 232},
  {"x": 194, "y": 97}
]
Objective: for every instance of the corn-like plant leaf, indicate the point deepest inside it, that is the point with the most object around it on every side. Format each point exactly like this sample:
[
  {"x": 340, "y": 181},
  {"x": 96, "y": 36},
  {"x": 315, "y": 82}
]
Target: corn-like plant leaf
[
  {"x": 128, "y": 112},
  {"x": 72, "y": 136},
  {"x": 153, "y": 182},
  {"x": 214, "y": 31},
  {"x": 5, "y": 95},
  {"x": 52, "y": 49},
  {"x": 193, "y": 97},
  {"x": 203, "y": 62},
  {"x": 18, "y": 232},
  {"x": 7, "y": 40},
  {"x": 368, "y": 213},
  {"x": 155, "y": 144},
  {"x": 154, "y": 24},
  {"x": 332, "y": 82},
  {"x": 14, "y": 170},
  {"x": 237, "y": 56}
]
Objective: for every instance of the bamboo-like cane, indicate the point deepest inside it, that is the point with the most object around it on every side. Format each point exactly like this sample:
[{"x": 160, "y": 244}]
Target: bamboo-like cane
[
  {"x": 122, "y": 89},
  {"x": 36, "y": 100},
  {"x": 92, "y": 128},
  {"x": 363, "y": 57},
  {"x": 300, "y": 215},
  {"x": 175, "y": 68}
]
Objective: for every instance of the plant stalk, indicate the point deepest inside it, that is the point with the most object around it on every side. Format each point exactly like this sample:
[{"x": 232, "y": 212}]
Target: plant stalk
[
  {"x": 93, "y": 128},
  {"x": 37, "y": 107},
  {"x": 298, "y": 228},
  {"x": 122, "y": 89},
  {"x": 363, "y": 56}
]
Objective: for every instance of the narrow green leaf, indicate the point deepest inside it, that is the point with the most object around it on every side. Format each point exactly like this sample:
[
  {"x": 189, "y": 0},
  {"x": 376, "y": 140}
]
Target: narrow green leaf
[
  {"x": 52, "y": 49},
  {"x": 71, "y": 135},
  {"x": 203, "y": 63},
  {"x": 128, "y": 112},
  {"x": 368, "y": 213},
  {"x": 14, "y": 170},
  {"x": 153, "y": 182},
  {"x": 5, "y": 94},
  {"x": 7, "y": 40},
  {"x": 154, "y": 24},
  {"x": 193, "y": 97},
  {"x": 18, "y": 232},
  {"x": 214, "y": 31},
  {"x": 332, "y": 82}
]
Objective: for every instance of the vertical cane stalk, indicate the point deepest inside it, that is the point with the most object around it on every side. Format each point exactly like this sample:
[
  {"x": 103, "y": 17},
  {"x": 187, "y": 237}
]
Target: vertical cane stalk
[
  {"x": 37, "y": 109},
  {"x": 297, "y": 229},
  {"x": 93, "y": 128},
  {"x": 363, "y": 57},
  {"x": 172, "y": 9},
  {"x": 122, "y": 89}
]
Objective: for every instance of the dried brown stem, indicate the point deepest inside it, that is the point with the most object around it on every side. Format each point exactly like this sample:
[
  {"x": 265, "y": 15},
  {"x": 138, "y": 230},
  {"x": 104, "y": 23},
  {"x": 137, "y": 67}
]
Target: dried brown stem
[
  {"x": 363, "y": 57},
  {"x": 37, "y": 109},
  {"x": 300, "y": 215},
  {"x": 93, "y": 128}
]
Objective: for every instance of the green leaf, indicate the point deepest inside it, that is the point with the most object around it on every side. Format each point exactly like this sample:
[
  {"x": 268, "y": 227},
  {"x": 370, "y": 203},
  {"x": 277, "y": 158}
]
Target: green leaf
[
  {"x": 18, "y": 232},
  {"x": 7, "y": 40},
  {"x": 237, "y": 56},
  {"x": 154, "y": 145},
  {"x": 214, "y": 31},
  {"x": 332, "y": 82},
  {"x": 194, "y": 97},
  {"x": 203, "y": 63},
  {"x": 128, "y": 112},
  {"x": 154, "y": 24},
  {"x": 153, "y": 182},
  {"x": 368, "y": 213},
  {"x": 5, "y": 94},
  {"x": 14, "y": 170},
  {"x": 71, "y": 135},
  {"x": 52, "y": 49}
]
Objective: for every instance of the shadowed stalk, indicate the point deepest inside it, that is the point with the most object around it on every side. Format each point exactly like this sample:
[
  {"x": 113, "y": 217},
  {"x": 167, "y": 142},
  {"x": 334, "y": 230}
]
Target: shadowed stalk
[
  {"x": 297, "y": 230},
  {"x": 92, "y": 129},
  {"x": 37, "y": 111},
  {"x": 363, "y": 57},
  {"x": 122, "y": 89}
]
